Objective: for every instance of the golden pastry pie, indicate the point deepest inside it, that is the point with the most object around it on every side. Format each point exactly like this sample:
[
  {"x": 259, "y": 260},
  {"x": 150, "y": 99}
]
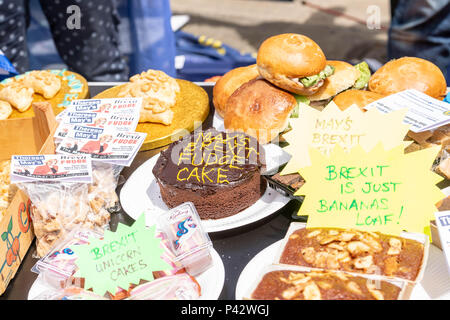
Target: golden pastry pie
[
  {"x": 18, "y": 95},
  {"x": 5, "y": 110},
  {"x": 165, "y": 117},
  {"x": 43, "y": 82},
  {"x": 159, "y": 92}
]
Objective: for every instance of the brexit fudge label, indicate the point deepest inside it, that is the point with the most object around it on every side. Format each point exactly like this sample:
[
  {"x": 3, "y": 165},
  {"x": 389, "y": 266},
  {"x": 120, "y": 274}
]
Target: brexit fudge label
[
  {"x": 112, "y": 147},
  {"x": 92, "y": 128},
  {"x": 130, "y": 107},
  {"x": 73, "y": 168}
]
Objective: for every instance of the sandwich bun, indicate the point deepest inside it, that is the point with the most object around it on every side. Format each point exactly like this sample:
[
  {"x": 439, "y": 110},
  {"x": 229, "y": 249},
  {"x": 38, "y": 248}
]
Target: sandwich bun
[
  {"x": 229, "y": 82},
  {"x": 284, "y": 58},
  {"x": 409, "y": 73},
  {"x": 259, "y": 109},
  {"x": 353, "y": 96},
  {"x": 344, "y": 77}
]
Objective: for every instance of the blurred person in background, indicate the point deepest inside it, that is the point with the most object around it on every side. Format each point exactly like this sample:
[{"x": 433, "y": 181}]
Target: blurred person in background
[
  {"x": 421, "y": 28},
  {"x": 91, "y": 48}
]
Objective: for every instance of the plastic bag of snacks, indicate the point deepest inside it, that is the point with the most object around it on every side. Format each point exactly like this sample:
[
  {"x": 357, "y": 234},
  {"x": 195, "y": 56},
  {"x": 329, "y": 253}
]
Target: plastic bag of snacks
[
  {"x": 102, "y": 191},
  {"x": 104, "y": 128},
  {"x": 57, "y": 185},
  {"x": 57, "y": 209}
]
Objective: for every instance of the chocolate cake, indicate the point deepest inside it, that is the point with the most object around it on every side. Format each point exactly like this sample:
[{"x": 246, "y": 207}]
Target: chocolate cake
[{"x": 219, "y": 172}]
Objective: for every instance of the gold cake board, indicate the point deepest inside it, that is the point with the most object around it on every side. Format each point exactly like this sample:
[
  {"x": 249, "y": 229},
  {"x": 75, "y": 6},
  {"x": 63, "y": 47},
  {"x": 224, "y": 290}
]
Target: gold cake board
[{"x": 190, "y": 110}]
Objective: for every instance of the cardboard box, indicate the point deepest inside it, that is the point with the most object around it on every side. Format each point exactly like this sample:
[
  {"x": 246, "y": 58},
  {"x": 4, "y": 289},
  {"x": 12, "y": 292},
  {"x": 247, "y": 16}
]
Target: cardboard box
[{"x": 22, "y": 136}]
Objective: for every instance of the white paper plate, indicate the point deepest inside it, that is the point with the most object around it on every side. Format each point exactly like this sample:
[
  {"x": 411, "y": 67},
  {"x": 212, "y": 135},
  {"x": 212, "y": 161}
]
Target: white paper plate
[
  {"x": 141, "y": 194},
  {"x": 211, "y": 281},
  {"x": 435, "y": 284},
  {"x": 218, "y": 122}
]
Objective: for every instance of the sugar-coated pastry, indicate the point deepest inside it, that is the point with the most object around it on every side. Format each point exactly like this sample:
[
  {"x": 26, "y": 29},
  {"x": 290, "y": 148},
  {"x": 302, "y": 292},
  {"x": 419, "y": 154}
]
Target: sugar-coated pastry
[
  {"x": 5, "y": 110},
  {"x": 158, "y": 91},
  {"x": 18, "y": 95},
  {"x": 43, "y": 82}
]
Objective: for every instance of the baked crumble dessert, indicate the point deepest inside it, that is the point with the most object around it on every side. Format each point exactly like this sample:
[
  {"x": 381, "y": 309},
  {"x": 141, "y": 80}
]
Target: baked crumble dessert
[
  {"x": 322, "y": 285},
  {"x": 354, "y": 251}
]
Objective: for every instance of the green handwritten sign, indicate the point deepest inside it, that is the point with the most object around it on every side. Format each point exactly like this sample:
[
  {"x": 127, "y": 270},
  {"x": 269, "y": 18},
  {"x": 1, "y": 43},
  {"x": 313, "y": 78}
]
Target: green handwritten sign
[{"x": 121, "y": 258}]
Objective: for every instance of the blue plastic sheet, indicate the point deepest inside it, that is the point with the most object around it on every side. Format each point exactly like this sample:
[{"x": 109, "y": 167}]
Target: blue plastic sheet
[
  {"x": 7, "y": 70},
  {"x": 207, "y": 57},
  {"x": 447, "y": 98},
  {"x": 151, "y": 35}
]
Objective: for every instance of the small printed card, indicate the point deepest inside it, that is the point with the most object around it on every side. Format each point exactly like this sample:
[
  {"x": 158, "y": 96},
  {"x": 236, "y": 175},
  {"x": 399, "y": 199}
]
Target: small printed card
[
  {"x": 116, "y": 148},
  {"x": 96, "y": 126},
  {"x": 55, "y": 167},
  {"x": 424, "y": 112},
  {"x": 92, "y": 117},
  {"x": 101, "y": 120},
  {"x": 124, "y": 106},
  {"x": 443, "y": 225}
]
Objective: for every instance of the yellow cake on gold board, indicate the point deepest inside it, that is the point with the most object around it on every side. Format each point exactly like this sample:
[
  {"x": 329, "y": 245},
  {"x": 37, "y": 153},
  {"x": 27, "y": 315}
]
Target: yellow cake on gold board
[
  {"x": 73, "y": 86},
  {"x": 190, "y": 110}
]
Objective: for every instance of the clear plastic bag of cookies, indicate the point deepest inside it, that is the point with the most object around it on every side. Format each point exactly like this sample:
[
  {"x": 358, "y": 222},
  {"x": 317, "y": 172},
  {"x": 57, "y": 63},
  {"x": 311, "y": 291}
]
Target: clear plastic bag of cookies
[
  {"x": 57, "y": 209},
  {"x": 102, "y": 194}
]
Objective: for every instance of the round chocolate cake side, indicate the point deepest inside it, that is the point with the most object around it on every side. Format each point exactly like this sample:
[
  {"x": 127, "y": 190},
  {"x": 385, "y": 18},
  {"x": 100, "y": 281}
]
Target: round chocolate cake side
[{"x": 218, "y": 172}]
